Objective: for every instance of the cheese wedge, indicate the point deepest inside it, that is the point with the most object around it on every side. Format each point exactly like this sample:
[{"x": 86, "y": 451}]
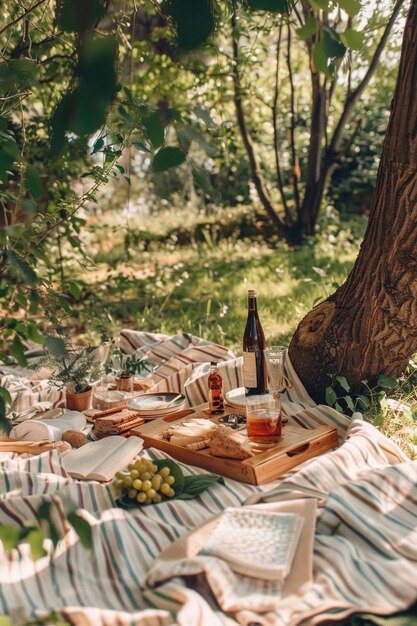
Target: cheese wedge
[{"x": 227, "y": 443}]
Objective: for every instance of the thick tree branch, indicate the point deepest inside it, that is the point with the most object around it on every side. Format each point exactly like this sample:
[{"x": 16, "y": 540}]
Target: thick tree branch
[
  {"x": 255, "y": 169},
  {"x": 276, "y": 133},
  {"x": 295, "y": 167},
  {"x": 355, "y": 95}
]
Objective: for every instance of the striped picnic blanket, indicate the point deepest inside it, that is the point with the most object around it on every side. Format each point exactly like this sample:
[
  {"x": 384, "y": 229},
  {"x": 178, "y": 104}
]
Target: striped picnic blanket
[{"x": 365, "y": 549}]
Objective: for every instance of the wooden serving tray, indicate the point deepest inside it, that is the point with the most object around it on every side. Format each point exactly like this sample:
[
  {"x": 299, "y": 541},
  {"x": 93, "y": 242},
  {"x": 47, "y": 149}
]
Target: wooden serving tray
[{"x": 296, "y": 446}]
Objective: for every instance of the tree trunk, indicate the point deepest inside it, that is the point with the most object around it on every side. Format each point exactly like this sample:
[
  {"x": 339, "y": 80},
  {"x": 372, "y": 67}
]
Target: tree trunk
[{"x": 369, "y": 325}]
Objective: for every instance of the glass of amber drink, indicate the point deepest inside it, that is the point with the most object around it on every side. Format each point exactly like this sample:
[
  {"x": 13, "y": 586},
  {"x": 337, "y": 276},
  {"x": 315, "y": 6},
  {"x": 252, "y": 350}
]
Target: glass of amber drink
[{"x": 263, "y": 421}]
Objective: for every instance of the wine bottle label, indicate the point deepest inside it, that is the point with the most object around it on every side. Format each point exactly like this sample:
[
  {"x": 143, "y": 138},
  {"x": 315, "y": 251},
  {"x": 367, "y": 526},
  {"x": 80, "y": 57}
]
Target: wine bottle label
[{"x": 249, "y": 369}]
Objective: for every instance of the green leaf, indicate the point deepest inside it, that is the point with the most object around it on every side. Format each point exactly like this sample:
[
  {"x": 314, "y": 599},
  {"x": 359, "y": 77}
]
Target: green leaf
[
  {"x": 332, "y": 46},
  {"x": 338, "y": 407},
  {"x": 5, "y": 425},
  {"x": 33, "y": 333},
  {"x": 17, "y": 74},
  {"x": 82, "y": 528},
  {"x": 44, "y": 513},
  {"x": 9, "y": 536},
  {"x": 33, "y": 181},
  {"x": 350, "y": 403},
  {"x": 342, "y": 380},
  {"x": 35, "y": 539},
  {"x": 363, "y": 401},
  {"x": 387, "y": 381},
  {"x": 351, "y": 7},
  {"x": 352, "y": 39},
  {"x": 310, "y": 28},
  {"x": 17, "y": 350},
  {"x": 276, "y": 6},
  {"x": 27, "y": 273},
  {"x": 98, "y": 144},
  {"x": 75, "y": 290},
  {"x": 320, "y": 4},
  {"x": 166, "y": 158},
  {"x": 155, "y": 131},
  {"x": 202, "y": 180},
  {"x": 194, "y": 485},
  {"x": 320, "y": 58},
  {"x": 194, "y": 20},
  {"x": 55, "y": 345},
  {"x": 79, "y": 15},
  {"x": 5, "y": 395},
  {"x": 330, "y": 396}
]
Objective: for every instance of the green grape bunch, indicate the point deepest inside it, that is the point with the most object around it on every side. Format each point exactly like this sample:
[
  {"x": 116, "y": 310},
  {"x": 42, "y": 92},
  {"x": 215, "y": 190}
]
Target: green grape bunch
[{"x": 145, "y": 482}]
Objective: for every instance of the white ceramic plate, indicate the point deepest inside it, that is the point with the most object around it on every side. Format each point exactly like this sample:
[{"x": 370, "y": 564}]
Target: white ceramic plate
[
  {"x": 152, "y": 405},
  {"x": 237, "y": 399}
]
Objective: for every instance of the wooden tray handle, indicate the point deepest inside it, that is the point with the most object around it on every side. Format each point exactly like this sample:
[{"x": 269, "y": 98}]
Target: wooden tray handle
[{"x": 299, "y": 450}]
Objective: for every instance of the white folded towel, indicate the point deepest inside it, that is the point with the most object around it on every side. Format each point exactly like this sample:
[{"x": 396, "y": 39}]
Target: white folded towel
[{"x": 38, "y": 430}]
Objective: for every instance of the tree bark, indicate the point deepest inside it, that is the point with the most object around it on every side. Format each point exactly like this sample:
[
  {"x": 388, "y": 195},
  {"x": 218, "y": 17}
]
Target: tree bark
[{"x": 369, "y": 325}]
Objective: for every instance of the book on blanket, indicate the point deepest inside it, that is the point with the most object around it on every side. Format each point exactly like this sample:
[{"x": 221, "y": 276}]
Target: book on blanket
[
  {"x": 257, "y": 544},
  {"x": 100, "y": 460}
]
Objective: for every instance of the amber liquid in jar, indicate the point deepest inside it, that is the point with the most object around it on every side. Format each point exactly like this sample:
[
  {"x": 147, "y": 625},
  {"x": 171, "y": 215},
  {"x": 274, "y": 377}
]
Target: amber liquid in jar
[
  {"x": 215, "y": 385},
  {"x": 264, "y": 427}
]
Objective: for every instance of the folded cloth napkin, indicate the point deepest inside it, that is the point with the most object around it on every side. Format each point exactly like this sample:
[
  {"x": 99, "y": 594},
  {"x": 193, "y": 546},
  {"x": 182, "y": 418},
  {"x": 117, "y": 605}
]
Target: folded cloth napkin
[{"x": 52, "y": 429}]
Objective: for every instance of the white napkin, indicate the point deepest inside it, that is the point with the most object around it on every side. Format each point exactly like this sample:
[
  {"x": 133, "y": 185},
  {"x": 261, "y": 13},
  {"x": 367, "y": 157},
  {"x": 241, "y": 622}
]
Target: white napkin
[{"x": 38, "y": 430}]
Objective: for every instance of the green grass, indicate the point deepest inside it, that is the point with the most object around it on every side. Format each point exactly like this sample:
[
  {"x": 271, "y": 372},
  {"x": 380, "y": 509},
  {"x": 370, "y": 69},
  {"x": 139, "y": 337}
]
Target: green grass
[{"x": 202, "y": 288}]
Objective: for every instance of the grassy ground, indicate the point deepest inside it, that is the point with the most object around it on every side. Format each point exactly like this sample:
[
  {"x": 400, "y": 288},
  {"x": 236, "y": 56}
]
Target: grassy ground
[{"x": 202, "y": 288}]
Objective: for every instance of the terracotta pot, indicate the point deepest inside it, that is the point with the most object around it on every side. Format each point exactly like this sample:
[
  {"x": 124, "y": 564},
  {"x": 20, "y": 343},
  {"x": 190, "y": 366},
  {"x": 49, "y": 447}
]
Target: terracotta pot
[
  {"x": 79, "y": 401},
  {"x": 124, "y": 384}
]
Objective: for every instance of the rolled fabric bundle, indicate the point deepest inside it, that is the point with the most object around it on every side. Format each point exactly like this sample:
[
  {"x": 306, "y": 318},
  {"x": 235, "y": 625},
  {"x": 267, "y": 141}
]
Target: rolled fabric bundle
[{"x": 39, "y": 430}]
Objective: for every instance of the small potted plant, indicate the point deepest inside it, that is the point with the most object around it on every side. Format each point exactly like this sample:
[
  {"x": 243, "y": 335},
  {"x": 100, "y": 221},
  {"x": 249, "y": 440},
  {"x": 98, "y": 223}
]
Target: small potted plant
[
  {"x": 74, "y": 370},
  {"x": 126, "y": 366}
]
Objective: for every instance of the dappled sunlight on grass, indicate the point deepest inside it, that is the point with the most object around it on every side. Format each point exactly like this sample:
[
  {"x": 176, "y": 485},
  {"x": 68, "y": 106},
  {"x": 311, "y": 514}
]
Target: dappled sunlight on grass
[{"x": 202, "y": 288}]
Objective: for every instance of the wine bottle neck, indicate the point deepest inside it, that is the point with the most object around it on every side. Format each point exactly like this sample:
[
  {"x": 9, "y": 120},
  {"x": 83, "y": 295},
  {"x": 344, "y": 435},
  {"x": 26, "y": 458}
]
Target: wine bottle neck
[{"x": 252, "y": 304}]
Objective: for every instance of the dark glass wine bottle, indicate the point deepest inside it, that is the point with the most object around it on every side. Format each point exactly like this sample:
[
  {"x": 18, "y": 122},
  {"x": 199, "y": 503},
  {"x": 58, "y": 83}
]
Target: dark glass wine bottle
[{"x": 255, "y": 377}]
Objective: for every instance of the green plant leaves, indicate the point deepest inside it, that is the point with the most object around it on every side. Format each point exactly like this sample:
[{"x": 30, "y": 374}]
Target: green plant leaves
[
  {"x": 352, "y": 38},
  {"x": 35, "y": 539},
  {"x": 17, "y": 73},
  {"x": 77, "y": 16},
  {"x": 166, "y": 158},
  {"x": 276, "y": 6},
  {"x": 194, "y": 21},
  {"x": 194, "y": 485},
  {"x": 342, "y": 380},
  {"x": 351, "y": 7},
  {"x": 332, "y": 46},
  {"x": 27, "y": 273},
  {"x": 83, "y": 109},
  {"x": 310, "y": 28},
  {"x": 9, "y": 536},
  {"x": 82, "y": 528},
  {"x": 388, "y": 382},
  {"x": 330, "y": 396},
  {"x": 155, "y": 131},
  {"x": 17, "y": 350},
  {"x": 33, "y": 181},
  {"x": 55, "y": 345}
]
